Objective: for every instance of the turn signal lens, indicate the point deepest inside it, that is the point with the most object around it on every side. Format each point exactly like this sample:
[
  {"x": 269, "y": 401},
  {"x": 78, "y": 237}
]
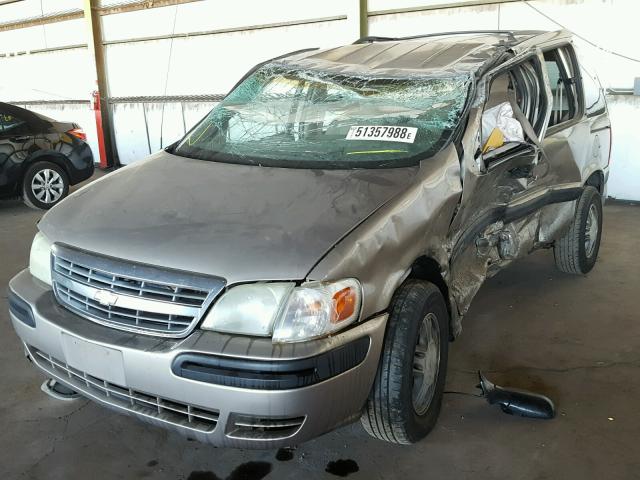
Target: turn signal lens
[
  {"x": 78, "y": 133},
  {"x": 344, "y": 304}
]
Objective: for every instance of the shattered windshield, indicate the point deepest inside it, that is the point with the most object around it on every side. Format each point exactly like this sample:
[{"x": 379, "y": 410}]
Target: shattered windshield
[{"x": 299, "y": 118}]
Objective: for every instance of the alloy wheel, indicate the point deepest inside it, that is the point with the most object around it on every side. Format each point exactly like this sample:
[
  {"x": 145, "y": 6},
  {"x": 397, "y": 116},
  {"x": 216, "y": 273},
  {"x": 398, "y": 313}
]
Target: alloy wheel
[
  {"x": 591, "y": 231},
  {"x": 47, "y": 186},
  {"x": 426, "y": 362}
]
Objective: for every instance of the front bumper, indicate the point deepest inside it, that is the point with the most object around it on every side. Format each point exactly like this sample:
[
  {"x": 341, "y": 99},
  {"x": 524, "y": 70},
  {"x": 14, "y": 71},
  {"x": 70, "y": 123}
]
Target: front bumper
[{"x": 137, "y": 375}]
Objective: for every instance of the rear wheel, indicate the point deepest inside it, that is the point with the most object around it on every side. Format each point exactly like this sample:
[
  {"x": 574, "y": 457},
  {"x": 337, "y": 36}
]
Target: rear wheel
[
  {"x": 577, "y": 251},
  {"x": 405, "y": 400},
  {"x": 45, "y": 184}
]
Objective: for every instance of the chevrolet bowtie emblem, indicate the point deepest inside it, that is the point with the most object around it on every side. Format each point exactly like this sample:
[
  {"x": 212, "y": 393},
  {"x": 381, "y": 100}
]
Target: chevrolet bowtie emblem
[{"x": 105, "y": 297}]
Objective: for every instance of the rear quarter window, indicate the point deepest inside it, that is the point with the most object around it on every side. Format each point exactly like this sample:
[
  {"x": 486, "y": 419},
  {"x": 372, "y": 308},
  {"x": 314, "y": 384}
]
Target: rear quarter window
[
  {"x": 594, "y": 101},
  {"x": 563, "y": 76}
]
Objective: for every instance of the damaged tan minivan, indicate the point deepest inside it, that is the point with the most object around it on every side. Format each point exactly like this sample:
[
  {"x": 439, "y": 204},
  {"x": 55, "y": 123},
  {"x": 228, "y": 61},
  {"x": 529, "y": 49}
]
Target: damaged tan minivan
[{"x": 304, "y": 255}]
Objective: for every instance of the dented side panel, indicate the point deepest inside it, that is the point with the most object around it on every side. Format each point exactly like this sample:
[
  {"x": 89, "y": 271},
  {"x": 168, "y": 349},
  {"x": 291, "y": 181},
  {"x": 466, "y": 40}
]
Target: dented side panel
[
  {"x": 481, "y": 239},
  {"x": 506, "y": 209},
  {"x": 380, "y": 252}
]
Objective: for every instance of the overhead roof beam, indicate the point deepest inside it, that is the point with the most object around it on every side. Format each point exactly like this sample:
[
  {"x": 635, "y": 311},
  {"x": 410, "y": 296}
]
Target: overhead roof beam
[
  {"x": 132, "y": 6},
  {"x": 41, "y": 20},
  {"x": 79, "y": 13},
  {"x": 440, "y": 6}
]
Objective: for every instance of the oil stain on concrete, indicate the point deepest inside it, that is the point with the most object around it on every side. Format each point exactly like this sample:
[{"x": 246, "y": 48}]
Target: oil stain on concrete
[{"x": 246, "y": 471}]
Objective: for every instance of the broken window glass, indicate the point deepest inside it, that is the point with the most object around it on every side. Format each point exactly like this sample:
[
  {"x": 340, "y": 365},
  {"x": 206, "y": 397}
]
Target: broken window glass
[{"x": 303, "y": 118}]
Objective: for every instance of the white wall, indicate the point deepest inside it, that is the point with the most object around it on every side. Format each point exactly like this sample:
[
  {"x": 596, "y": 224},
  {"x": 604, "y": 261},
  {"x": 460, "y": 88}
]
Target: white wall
[
  {"x": 208, "y": 64},
  {"x": 63, "y": 74},
  {"x": 624, "y": 179},
  {"x": 131, "y": 132},
  {"x": 55, "y": 75}
]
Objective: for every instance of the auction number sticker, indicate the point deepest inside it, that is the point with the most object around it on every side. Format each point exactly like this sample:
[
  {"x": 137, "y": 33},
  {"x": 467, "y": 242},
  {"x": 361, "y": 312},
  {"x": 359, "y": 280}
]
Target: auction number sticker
[{"x": 381, "y": 133}]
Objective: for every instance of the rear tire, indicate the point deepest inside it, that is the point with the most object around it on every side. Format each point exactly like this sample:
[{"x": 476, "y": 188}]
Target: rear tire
[
  {"x": 577, "y": 251},
  {"x": 405, "y": 400},
  {"x": 45, "y": 184}
]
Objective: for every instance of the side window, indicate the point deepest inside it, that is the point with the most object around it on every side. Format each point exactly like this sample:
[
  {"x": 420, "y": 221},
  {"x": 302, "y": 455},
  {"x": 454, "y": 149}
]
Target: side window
[
  {"x": 529, "y": 96},
  {"x": 514, "y": 112},
  {"x": 10, "y": 124},
  {"x": 562, "y": 80},
  {"x": 594, "y": 102}
]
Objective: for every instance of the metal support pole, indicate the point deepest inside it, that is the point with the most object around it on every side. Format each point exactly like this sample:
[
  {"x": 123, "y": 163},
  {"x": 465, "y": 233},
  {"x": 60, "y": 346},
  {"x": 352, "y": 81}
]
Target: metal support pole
[
  {"x": 146, "y": 125},
  {"x": 364, "y": 18},
  {"x": 358, "y": 18},
  {"x": 184, "y": 124},
  {"x": 104, "y": 124}
]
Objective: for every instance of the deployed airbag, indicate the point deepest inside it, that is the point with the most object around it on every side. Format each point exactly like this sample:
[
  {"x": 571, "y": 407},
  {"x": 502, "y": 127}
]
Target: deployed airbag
[{"x": 500, "y": 118}]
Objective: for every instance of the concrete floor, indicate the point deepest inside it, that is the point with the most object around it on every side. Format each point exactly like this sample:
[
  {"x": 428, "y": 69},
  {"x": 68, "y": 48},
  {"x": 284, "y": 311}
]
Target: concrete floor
[{"x": 576, "y": 339}]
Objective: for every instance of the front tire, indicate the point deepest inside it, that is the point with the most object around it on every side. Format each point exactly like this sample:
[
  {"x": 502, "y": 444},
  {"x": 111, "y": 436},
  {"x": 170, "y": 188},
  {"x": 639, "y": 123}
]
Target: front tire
[
  {"x": 45, "y": 184},
  {"x": 577, "y": 251},
  {"x": 405, "y": 400}
]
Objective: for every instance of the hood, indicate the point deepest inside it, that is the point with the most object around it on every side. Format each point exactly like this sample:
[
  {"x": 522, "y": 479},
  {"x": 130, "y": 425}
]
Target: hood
[{"x": 239, "y": 222}]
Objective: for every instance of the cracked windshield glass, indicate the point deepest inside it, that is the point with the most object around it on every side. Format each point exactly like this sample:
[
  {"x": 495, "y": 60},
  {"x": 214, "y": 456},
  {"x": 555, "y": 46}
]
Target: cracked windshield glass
[{"x": 302, "y": 118}]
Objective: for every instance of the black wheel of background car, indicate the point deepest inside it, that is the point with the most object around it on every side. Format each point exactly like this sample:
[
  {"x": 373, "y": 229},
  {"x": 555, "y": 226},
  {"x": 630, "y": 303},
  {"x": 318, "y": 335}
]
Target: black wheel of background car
[
  {"x": 405, "y": 400},
  {"x": 577, "y": 251},
  {"x": 44, "y": 185}
]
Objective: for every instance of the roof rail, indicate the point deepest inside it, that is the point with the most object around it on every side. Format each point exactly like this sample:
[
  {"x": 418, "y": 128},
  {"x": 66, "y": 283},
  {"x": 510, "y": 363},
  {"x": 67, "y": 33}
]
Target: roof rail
[
  {"x": 511, "y": 33},
  {"x": 372, "y": 39}
]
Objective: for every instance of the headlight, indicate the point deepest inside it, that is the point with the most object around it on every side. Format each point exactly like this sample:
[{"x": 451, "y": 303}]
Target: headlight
[
  {"x": 40, "y": 258},
  {"x": 248, "y": 309},
  {"x": 318, "y": 309},
  {"x": 289, "y": 314}
]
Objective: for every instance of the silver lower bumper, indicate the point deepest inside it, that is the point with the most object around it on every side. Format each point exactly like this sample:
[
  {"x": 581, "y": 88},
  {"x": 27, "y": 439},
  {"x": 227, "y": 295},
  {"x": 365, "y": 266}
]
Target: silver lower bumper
[{"x": 132, "y": 373}]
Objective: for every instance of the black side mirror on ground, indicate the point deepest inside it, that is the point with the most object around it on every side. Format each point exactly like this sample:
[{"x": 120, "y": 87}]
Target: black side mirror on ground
[{"x": 517, "y": 402}]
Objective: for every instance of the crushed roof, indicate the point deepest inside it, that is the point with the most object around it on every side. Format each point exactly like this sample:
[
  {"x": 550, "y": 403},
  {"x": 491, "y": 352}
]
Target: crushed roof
[{"x": 458, "y": 53}]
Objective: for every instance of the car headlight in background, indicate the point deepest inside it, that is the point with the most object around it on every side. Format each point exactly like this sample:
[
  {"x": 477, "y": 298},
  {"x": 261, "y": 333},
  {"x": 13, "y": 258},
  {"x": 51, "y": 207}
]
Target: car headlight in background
[
  {"x": 40, "y": 258},
  {"x": 288, "y": 313}
]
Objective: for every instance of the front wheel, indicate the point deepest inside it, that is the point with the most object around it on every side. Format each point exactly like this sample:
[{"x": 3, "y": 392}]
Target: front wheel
[
  {"x": 577, "y": 251},
  {"x": 405, "y": 400},
  {"x": 45, "y": 184}
]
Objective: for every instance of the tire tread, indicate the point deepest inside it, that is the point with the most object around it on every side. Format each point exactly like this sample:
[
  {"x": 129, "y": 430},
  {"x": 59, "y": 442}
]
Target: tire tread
[
  {"x": 379, "y": 418},
  {"x": 567, "y": 250}
]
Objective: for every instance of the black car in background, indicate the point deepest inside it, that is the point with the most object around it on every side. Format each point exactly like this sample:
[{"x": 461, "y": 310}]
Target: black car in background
[{"x": 40, "y": 157}]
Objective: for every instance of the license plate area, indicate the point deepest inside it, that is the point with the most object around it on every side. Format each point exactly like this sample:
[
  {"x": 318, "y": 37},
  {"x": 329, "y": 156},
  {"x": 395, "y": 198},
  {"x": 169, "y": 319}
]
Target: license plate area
[
  {"x": 382, "y": 133},
  {"x": 101, "y": 362}
]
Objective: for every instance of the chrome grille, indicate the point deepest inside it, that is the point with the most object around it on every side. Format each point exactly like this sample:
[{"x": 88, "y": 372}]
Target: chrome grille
[
  {"x": 177, "y": 413},
  {"x": 124, "y": 316},
  {"x": 129, "y": 296},
  {"x": 128, "y": 286}
]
